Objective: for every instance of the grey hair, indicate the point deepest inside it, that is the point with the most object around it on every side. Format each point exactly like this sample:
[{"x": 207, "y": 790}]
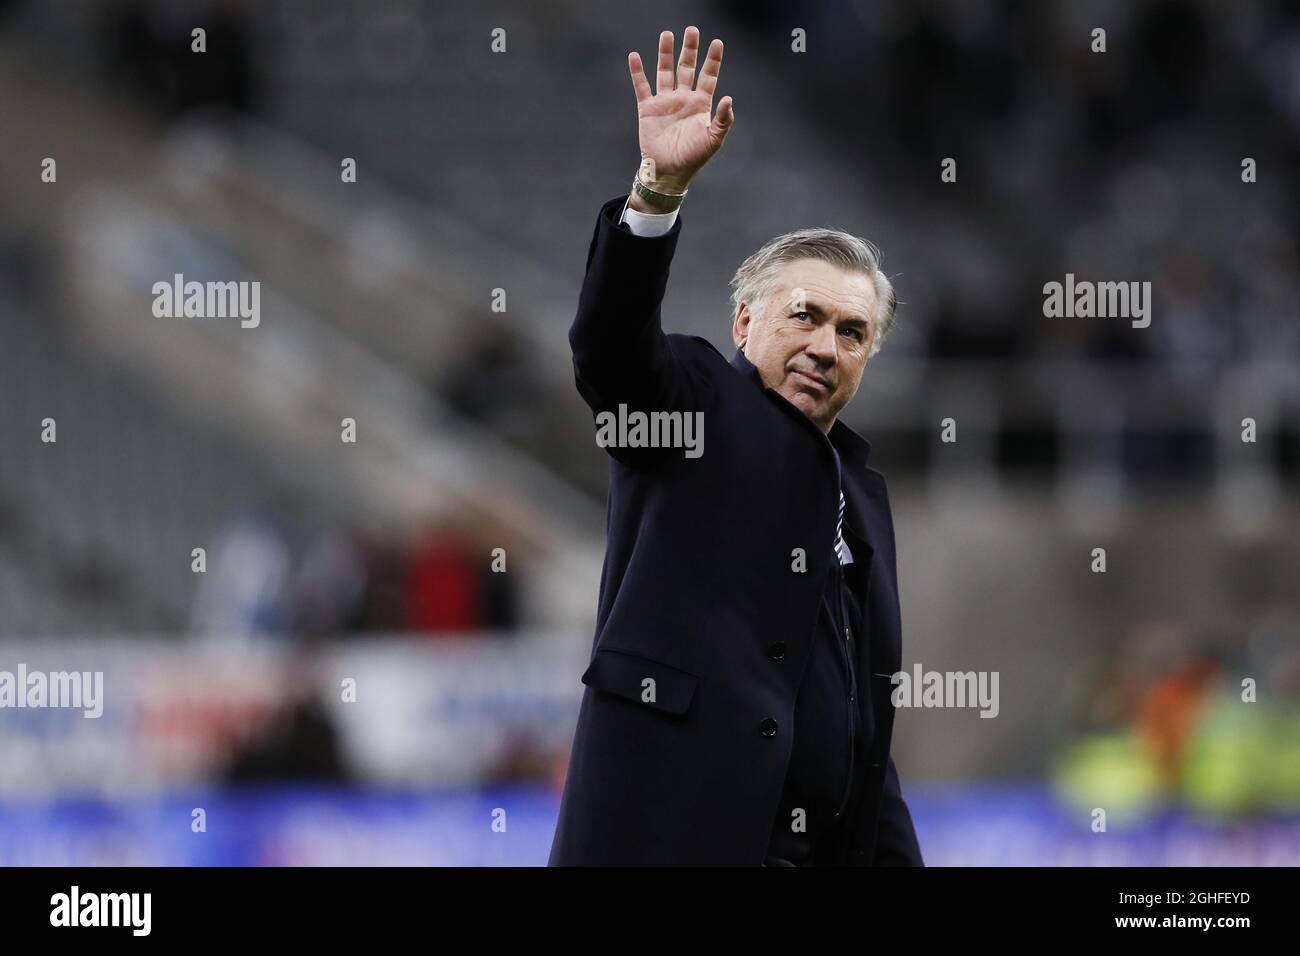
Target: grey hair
[{"x": 755, "y": 280}]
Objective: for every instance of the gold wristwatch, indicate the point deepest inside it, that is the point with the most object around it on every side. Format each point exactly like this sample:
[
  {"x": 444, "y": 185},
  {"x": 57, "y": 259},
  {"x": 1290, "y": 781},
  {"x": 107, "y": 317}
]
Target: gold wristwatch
[{"x": 663, "y": 202}]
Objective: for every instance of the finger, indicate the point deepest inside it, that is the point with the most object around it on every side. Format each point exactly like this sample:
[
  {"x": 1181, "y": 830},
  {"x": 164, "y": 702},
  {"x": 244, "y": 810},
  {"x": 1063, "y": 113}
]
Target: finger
[
  {"x": 640, "y": 85},
  {"x": 686, "y": 66},
  {"x": 664, "y": 71},
  {"x": 722, "y": 120},
  {"x": 712, "y": 64}
]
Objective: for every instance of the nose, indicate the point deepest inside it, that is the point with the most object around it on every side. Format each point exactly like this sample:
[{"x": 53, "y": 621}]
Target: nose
[{"x": 822, "y": 344}]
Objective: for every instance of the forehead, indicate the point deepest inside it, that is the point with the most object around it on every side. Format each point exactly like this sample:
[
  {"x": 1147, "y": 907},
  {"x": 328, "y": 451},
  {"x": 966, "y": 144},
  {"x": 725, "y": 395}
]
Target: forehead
[{"x": 846, "y": 291}]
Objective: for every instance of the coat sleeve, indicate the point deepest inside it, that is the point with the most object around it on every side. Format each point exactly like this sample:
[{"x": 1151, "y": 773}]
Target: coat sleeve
[
  {"x": 896, "y": 843},
  {"x": 620, "y": 352}
]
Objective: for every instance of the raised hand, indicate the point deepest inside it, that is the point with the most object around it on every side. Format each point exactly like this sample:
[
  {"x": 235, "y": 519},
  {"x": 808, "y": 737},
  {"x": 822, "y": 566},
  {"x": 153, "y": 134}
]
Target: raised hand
[{"x": 677, "y": 134}]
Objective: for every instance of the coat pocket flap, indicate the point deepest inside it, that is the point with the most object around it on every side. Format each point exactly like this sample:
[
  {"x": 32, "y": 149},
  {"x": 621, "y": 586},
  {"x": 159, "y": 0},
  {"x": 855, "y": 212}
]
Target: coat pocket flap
[{"x": 641, "y": 679}]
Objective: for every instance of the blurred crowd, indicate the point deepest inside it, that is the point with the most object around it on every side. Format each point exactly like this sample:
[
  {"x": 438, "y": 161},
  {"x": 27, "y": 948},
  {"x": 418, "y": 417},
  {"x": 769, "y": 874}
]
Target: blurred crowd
[
  {"x": 440, "y": 581},
  {"x": 1213, "y": 728},
  {"x": 1117, "y": 165},
  {"x": 1123, "y": 165}
]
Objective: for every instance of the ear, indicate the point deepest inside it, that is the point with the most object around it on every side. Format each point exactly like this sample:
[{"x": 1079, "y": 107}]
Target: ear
[{"x": 740, "y": 325}]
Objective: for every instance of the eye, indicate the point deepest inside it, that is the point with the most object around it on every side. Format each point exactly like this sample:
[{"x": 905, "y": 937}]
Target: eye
[
  {"x": 804, "y": 315},
  {"x": 856, "y": 333}
]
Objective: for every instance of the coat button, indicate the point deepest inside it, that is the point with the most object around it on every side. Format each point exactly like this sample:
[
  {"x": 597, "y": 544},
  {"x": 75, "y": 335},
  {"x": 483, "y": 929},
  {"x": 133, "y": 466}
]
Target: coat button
[
  {"x": 768, "y": 727},
  {"x": 776, "y": 650}
]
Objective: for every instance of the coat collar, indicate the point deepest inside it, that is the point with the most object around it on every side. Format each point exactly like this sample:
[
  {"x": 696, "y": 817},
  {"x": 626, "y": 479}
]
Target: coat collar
[
  {"x": 852, "y": 447},
  {"x": 868, "y": 523}
]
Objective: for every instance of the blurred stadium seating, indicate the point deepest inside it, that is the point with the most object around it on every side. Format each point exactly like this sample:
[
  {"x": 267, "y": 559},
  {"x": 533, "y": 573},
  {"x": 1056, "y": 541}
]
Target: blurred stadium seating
[{"x": 370, "y": 562}]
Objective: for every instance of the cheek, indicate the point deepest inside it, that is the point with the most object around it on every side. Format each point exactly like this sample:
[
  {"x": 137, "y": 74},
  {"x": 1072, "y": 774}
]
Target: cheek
[
  {"x": 773, "y": 348},
  {"x": 789, "y": 341}
]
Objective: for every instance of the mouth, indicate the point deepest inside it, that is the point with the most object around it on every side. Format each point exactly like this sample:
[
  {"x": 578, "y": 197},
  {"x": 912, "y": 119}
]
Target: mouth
[{"x": 812, "y": 379}]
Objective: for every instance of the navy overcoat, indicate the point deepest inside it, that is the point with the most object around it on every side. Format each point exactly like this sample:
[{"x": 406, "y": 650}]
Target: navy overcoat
[{"x": 705, "y": 620}]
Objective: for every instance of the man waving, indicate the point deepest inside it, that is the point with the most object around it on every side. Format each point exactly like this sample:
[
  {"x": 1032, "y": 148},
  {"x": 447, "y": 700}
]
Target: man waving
[{"x": 737, "y": 705}]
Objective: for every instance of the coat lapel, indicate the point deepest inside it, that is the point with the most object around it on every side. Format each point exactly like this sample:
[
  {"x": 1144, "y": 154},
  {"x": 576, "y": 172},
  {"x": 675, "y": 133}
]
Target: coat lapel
[{"x": 867, "y": 517}]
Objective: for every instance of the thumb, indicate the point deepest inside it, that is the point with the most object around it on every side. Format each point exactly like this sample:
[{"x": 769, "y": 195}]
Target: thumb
[{"x": 723, "y": 117}]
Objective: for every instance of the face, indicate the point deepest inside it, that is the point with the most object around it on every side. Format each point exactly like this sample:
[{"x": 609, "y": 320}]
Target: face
[{"x": 814, "y": 337}]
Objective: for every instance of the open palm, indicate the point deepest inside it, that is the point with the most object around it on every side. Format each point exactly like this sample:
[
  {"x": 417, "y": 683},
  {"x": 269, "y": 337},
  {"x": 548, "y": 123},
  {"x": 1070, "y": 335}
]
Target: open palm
[{"x": 674, "y": 125}]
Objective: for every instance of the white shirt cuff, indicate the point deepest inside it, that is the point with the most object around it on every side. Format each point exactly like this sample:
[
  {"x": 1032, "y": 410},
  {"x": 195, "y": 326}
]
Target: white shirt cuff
[{"x": 647, "y": 223}]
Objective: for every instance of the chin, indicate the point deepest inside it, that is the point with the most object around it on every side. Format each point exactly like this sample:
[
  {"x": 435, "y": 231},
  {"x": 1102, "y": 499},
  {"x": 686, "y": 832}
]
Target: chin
[{"x": 810, "y": 407}]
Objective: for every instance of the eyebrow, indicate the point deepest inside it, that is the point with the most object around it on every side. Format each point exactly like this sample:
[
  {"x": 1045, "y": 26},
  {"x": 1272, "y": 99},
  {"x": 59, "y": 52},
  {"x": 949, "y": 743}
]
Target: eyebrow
[{"x": 810, "y": 306}]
